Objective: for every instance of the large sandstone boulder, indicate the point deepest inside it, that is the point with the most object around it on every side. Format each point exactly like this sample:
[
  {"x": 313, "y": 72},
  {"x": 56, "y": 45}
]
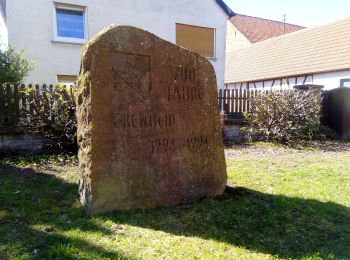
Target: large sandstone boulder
[{"x": 148, "y": 123}]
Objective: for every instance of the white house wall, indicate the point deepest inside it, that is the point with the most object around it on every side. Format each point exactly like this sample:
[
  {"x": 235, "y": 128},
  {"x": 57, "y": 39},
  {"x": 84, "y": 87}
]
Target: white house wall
[
  {"x": 3, "y": 28},
  {"x": 329, "y": 80},
  {"x": 30, "y": 25},
  {"x": 235, "y": 39}
]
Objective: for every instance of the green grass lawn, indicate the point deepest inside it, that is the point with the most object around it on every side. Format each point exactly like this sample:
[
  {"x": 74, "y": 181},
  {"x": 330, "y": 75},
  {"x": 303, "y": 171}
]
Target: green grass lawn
[{"x": 294, "y": 204}]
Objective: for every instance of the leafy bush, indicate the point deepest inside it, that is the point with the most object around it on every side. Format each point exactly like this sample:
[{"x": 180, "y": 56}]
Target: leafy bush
[
  {"x": 285, "y": 116},
  {"x": 14, "y": 67},
  {"x": 51, "y": 113}
]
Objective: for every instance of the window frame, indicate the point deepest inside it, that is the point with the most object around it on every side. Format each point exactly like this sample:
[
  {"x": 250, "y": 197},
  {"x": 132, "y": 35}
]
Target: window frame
[
  {"x": 205, "y": 27},
  {"x": 69, "y": 7},
  {"x": 66, "y": 82}
]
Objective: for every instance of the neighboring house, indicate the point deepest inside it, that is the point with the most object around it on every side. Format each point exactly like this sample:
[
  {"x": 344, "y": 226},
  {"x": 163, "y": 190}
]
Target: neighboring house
[
  {"x": 53, "y": 32},
  {"x": 244, "y": 30},
  {"x": 312, "y": 56}
]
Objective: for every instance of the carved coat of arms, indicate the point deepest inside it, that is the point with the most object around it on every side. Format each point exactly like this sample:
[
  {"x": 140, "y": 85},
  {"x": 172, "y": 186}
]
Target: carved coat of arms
[{"x": 132, "y": 71}]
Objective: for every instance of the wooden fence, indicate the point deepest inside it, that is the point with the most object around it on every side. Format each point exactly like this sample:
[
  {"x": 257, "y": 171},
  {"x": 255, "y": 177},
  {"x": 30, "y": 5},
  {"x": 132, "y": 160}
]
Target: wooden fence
[
  {"x": 13, "y": 99},
  {"x": 10, "y": 104},
  {"x": 235, "y": 102}
]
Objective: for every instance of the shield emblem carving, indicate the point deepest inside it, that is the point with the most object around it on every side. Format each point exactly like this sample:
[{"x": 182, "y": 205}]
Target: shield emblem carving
[{"x": 132, "y": 71}]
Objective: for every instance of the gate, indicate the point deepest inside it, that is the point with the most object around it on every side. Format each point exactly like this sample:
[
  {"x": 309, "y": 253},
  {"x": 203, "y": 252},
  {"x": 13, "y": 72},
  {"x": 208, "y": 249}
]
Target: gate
[{"x": 336, "y": 111}]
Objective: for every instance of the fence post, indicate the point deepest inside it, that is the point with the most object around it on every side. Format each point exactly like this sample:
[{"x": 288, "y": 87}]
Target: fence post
[
  {"x": 23, "y": 96},
  {"x": 249, "y": 95},
  {"x": 2, "y": 105},
  {"x": 245, "y": 101},
  {"x": 236, "y": 100},
  {"x": 9, "y": 104},
  {"x": 44, "y": 91},
  {"x": 224, "y": 103},
  {"x": 16, "y": 99},
  {"x": 232, "y": 108},
  {"x": 31, "y": 98},
  {"x": 219, "y": 99},
  {"x": 240, "y": 100},
  {"x": 227, "y": 101}
]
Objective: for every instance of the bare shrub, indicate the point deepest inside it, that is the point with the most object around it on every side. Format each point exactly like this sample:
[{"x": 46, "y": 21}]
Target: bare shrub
[
  {"x": 285, "y": 116},
  {"x": 51, "y": 113}
]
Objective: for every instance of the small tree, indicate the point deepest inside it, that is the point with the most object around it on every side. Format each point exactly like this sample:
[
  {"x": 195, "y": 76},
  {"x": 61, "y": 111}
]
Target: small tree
[
  {"x": 14, "y": 67},
  {"x": 285, "y": 116}
]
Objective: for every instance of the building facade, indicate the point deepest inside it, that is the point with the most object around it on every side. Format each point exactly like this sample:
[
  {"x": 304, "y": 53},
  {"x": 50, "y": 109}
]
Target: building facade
[
  {"x": 312, "y": 56},
  {"x": 53, "y": 32}
]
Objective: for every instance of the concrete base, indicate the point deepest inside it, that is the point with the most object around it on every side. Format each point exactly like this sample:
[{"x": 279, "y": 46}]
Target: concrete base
[
  {"x": 234, "y": 133},
  {"x": 233, "y": 130},
  {"x": 22, "y": 144}
]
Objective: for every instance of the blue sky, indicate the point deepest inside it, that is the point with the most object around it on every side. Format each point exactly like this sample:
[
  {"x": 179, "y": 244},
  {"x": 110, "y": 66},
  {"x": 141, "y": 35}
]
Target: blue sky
[{"x": 302, "y": 12}]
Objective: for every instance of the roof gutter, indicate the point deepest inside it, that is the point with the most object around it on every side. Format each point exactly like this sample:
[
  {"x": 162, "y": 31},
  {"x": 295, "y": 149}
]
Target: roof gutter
[
  {"x": 311, "y": 73},
  {"x": 226, "y": 9}
]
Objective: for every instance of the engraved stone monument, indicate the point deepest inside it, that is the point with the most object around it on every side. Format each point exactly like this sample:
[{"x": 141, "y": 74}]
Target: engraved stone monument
[{"x": 148, "y": 123}]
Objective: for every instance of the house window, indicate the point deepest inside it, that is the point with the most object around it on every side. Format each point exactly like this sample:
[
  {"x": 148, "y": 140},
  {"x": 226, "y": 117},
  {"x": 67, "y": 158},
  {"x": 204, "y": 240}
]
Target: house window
[
  {"x": 70, "y": 23},
  {"x": 67, "y": 79},
  {"x": 197, "y": 39},
  {"x": 345, "y": 83}
]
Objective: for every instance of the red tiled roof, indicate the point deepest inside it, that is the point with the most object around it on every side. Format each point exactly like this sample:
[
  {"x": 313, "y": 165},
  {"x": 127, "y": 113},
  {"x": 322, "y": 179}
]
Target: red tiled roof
[
  {"x": 313, "y": 50},
  {"x": 258, "y": 29}
]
